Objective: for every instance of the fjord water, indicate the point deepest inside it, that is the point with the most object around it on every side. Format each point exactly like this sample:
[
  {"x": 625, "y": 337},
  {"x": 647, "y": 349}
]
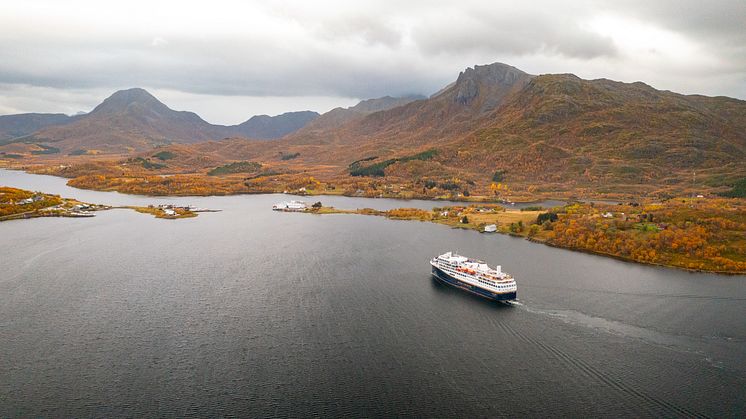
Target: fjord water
[{"x": 256, "y": 313}]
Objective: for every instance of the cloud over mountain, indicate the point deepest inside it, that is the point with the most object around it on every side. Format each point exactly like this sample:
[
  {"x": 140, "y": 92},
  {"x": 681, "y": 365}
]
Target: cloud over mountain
[{"x": 363, "y": 49}]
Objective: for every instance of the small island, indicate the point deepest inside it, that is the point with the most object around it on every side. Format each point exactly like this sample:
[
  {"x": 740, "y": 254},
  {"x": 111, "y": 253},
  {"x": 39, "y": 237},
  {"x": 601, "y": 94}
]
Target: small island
[
  {"x": 698, "y": 234},
  {"x": 168, "y": 212}
]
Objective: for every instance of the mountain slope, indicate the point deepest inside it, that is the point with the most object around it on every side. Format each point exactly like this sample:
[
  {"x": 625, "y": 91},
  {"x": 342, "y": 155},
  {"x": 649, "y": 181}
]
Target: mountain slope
[{"x": 560, "y": 128}]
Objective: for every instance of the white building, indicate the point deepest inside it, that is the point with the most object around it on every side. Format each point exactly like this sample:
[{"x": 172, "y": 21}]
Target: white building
[{"x": 290, "y": 206}]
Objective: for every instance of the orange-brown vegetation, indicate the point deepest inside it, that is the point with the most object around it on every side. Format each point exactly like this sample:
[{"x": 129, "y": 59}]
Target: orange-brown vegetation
[
  {"x": 701, "y": 234},
  {"x": 12, "y": 201},
  {"x": 159, "y": 212}
]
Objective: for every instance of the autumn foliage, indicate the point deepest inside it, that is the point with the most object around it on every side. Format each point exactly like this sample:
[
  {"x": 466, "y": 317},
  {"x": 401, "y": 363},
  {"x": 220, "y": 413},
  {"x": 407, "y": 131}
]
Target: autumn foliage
[
  {"x": 696, "y": 234},
  {"x": 11, "y": 201}
]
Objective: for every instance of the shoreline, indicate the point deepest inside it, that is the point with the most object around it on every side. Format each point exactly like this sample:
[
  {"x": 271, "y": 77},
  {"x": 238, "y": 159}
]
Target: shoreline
[
  {"x": 534, "y": 239},
  {"x": 480, "y": 199},
  {"x": 697, "y": 263},
  {"x": 628, "y": 260},
  {"x": 21, "y": 204}
]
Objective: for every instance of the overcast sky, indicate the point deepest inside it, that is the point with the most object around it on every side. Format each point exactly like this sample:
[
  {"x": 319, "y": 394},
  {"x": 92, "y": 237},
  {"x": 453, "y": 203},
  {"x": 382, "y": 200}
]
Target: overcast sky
[{"x": 228, "y": 60}]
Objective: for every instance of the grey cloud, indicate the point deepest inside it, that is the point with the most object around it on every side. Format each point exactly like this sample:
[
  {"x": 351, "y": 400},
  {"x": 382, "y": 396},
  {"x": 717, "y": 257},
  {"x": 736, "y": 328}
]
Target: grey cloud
[
  {"x": 720, "y": 24},
  {"x": 371, "y": 49},
  {"x": 516, "y": 32},
  {"x": 721, "y": 19},
  {"x": 367, "y": 29},
  {"x": 223, "y": 66}
]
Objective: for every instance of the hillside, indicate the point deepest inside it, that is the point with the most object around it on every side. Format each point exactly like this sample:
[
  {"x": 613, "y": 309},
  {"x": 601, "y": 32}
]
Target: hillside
[{"x": 560, "y": 128}]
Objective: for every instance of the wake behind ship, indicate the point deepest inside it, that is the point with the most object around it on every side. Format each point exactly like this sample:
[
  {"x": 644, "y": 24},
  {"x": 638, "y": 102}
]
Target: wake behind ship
[{"x": 474, "y": 276}]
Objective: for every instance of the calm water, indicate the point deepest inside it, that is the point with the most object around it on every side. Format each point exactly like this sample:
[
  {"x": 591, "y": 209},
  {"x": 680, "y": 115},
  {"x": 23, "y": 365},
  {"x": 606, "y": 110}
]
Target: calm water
[{"x": 255, "y": 313}]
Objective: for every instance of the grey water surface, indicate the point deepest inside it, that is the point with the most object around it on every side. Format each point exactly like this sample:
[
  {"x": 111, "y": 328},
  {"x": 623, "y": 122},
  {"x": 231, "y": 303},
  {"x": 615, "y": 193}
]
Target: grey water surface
[{"x": 250, "y": 312}]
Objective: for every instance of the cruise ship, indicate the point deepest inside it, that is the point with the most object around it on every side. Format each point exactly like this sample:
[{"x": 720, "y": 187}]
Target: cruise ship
[{"x": 474, "y": 276}]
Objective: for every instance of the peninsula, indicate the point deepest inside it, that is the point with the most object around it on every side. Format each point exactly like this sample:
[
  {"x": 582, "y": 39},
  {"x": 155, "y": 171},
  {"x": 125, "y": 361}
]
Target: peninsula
[
  {"x": 696, "y": 234},
  {"x": 19, "y": 204}
]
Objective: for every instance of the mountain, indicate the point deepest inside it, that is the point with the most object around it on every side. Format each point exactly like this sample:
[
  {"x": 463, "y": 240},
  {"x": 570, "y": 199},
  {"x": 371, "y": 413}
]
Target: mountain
[
  {"x": 561, "y": 128},
  {"x": 340, "y": 116},
  {"x": 134, "y": 120},
  {"x": 551, "y": 131},
  {"x": 13, "y": 126},
  {"x": 369, "y": 129},
  {"x": 265, "y": 127},
  {"x": 128, "y": 120}
]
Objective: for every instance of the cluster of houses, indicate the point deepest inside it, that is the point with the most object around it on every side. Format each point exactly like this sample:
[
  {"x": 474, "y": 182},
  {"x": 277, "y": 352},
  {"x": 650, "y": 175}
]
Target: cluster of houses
[
  {"x": 34, "y": 198},
  {"x": 637, "y": 218},
  {"x": 84, "y": 207},
  {"x": 78, "y": 210},
  {"x": 170, "y": 209}
]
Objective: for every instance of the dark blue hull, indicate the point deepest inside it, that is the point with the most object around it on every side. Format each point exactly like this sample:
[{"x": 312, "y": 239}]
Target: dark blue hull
[{"x": 445, "y": 278}]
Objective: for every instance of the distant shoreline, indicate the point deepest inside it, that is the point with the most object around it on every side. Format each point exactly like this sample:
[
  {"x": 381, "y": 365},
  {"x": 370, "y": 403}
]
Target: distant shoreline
[
  {"x": 500, "y": 218},
  {"x": 456, "y": 199}
]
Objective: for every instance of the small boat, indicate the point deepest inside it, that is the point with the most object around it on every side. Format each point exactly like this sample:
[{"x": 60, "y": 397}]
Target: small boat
[{"x": 81, "y": 214}]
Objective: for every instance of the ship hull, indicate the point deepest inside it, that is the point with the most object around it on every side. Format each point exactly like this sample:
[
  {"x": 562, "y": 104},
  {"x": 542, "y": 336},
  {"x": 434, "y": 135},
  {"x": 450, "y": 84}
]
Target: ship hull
[{"x": 455, "y": 282}]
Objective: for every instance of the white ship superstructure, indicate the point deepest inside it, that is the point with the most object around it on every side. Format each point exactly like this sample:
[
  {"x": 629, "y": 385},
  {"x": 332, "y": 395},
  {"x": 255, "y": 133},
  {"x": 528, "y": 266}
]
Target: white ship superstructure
[{"x": 290, "y": 206}]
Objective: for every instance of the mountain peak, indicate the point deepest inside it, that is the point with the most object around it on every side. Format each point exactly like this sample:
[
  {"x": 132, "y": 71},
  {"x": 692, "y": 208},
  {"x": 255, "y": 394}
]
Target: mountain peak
[
  {"x": 494, "y": 71},
  {"x": 471, "y": 80},
  {"x": 135, "y": 94},
  {"x": 122, "y": 100}
]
